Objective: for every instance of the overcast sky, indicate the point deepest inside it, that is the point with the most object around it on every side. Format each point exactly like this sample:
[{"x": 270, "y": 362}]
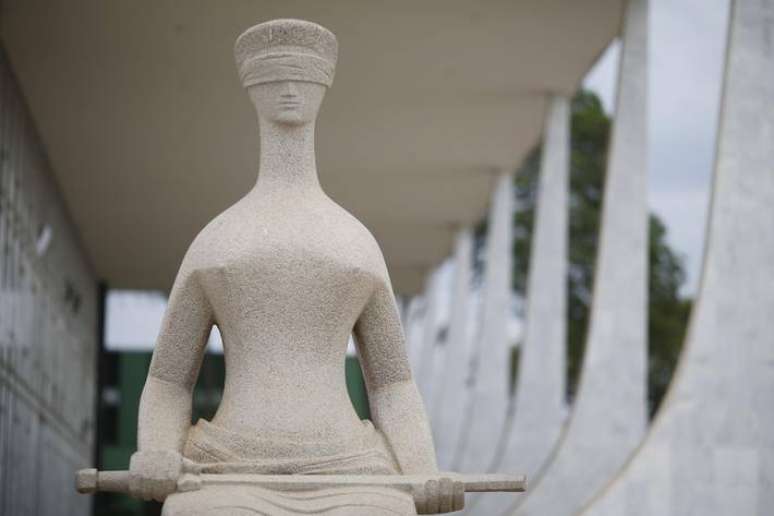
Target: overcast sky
[{"x": 687, "y": 45}]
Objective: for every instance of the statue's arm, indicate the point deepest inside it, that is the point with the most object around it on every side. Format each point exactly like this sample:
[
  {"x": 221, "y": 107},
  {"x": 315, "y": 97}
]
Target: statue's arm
[
  {"x": 396, "y": 406},
  {"x": 165, "y": 406}
]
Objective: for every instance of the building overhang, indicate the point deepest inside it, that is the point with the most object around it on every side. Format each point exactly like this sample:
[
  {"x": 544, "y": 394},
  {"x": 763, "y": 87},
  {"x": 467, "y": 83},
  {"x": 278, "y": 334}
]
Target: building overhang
[{"x": 151, "y": 135}]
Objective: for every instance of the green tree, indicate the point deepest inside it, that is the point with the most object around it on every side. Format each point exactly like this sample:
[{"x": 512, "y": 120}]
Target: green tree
[{"x": 668, "y": 313}]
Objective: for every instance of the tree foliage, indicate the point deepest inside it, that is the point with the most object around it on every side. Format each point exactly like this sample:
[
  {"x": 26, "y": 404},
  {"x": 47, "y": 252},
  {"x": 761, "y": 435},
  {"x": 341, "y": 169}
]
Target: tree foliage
[{"x": 668, "y": 313}]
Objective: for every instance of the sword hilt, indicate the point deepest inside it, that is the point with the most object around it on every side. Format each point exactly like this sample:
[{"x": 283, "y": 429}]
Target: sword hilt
[{"x": 89, "y": 481}]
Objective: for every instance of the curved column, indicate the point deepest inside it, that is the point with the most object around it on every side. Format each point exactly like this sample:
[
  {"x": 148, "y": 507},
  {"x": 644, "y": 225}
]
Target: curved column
[
  {"x": 402, "y": 302},
  {"x": 711, "y": 448},
  {"x": 539, "y": 408},
  {"x": 446, "y": 417},
  {"x": 609, "y": 416},
  {"x": 428, "y": 351},
  {"x": 413, "y": 331},
  {"x": 486, "y": 408}
]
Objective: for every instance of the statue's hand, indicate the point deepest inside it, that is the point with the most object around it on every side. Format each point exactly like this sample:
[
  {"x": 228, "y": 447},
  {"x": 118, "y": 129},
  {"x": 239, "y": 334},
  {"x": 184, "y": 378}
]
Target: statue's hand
[
  {"x": 440, "y": 496},
  {"x": 153, "y": 474}
]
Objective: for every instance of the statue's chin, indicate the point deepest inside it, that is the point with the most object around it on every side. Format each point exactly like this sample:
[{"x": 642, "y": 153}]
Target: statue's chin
[{"x": 290, "y": 118}]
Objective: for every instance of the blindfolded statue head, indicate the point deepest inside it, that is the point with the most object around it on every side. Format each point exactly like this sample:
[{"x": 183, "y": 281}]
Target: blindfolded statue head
[{"x": 286, "y": 67}]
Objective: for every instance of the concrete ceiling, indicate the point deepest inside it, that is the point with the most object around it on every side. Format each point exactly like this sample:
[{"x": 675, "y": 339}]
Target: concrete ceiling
[{"x": 151, "y": 135}]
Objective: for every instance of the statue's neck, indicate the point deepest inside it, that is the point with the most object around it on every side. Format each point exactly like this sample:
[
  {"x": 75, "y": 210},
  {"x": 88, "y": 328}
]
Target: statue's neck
[{"x": 287, "y": 158}]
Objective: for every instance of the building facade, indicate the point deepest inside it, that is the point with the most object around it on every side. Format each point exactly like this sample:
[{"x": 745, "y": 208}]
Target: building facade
[{"x": 48, "y": 327}]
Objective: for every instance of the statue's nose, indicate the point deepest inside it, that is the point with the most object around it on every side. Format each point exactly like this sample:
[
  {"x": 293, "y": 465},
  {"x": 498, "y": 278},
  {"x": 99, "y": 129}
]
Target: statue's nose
[{"x": 290, "y": 90}]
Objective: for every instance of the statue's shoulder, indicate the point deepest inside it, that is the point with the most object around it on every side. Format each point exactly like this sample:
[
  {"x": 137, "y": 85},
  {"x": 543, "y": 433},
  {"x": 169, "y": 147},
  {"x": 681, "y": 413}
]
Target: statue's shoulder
[
  {"x": 351, "y": 226},
  {"x": 361, "y": 242},
  {"x": 205, "y": 247}
]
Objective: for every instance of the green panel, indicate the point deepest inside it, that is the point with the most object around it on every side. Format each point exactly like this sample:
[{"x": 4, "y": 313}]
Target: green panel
[
  {"x": 132, "y": 371},
  {"x": 209, "y": 387},
  {"x": 116, "y": 457},
  {"x": 356, "y": 387}
]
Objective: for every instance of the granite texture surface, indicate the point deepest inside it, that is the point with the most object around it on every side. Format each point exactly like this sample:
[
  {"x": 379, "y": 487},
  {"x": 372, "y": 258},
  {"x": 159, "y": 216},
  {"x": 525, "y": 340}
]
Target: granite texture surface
[{"x": 287, "y": 275}]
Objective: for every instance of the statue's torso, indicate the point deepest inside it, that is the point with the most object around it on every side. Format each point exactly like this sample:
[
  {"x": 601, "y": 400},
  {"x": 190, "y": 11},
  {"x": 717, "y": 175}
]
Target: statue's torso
[{"x": 287, "y": 278}]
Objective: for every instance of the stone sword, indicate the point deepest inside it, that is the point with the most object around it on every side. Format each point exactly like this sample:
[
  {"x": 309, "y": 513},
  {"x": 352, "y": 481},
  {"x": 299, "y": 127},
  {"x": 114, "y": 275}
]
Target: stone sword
[{"x": 91, "y": 480}]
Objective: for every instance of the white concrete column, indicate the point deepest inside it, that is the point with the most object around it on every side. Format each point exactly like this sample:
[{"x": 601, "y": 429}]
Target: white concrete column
[
  {"x": 402, "y": 303},
  {"x": 428, "y": 351},
  {"x": 488, "y": 401},
  {"x": 609, "y": 416},
  {"x": 710, "y": 451},
  {"x": 446, "y": 416},
  {"x": 413, "y": 329},
  {"x": 539, "y": 408}
]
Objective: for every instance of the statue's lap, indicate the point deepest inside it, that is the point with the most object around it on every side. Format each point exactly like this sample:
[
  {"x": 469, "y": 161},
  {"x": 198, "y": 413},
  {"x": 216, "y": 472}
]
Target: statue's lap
[
  {"x": 209, "y": 445},
  {"x": 247, "y": 500}
]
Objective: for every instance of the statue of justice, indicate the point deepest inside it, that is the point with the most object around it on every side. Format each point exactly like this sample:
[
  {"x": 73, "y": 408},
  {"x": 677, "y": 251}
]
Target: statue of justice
[{"x": 287, "y": 275}]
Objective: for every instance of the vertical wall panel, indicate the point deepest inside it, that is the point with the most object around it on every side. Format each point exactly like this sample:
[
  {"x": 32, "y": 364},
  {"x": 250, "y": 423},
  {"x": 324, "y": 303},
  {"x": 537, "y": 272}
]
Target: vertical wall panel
[{"x": 47, "y": 328}]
